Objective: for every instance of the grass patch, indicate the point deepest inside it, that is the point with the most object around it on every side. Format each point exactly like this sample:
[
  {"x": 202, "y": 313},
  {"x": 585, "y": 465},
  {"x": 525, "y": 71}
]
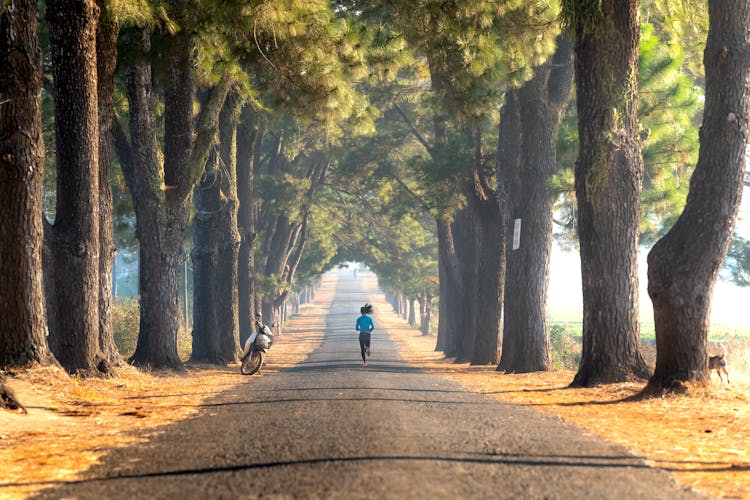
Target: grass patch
[
  {"x": 565, "y": 348},
  {"x": 125, "y": 325}
]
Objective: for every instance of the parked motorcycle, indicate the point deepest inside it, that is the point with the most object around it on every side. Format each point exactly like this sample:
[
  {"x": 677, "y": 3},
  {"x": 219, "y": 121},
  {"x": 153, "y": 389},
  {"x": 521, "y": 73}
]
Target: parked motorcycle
[{"x": 254, "y": 350}]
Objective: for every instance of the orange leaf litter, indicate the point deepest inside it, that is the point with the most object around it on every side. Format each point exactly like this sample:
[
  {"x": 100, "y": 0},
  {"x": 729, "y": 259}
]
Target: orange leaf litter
[{"x": 700, "y": 439}]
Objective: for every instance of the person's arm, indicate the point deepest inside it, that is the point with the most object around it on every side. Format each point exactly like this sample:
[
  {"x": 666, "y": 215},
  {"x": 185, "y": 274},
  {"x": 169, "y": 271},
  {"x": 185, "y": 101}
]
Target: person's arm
[{"x": 372, "y": 325}]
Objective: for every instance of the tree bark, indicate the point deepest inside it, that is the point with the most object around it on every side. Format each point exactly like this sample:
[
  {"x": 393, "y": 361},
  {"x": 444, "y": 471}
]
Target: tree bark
[
  {"x": 490, "y": 267},
  {"x": 227, "y": 307},
  {"x": 451, "y": 289},
  {"x": 465, "y": 308},
  {"x": 216, "y": 334},
  {"x": 425, "y": 313},
  {"x": 608, "y": 181},
  {"x": 106, "y": 61},
  {"x": 508, "y": 180},
  {"x": 75, "y": 238},
  {"x": 412, "y": 312},
  {"x": 249, "y": 137},
  {"x": 684, "y": 264},
  {"x": 441, "y": 344},
  {"x": 489, "y": 280},
  {"x": 207, "y": 202},
  {"x": 22, "y": 319},
  {"x": 542, "y": 100},
  {"x": 159, "y": 304}
]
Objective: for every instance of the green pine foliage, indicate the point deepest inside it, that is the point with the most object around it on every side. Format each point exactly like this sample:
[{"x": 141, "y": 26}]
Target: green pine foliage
[
  {"x": 683, "y": 23},
  {"x": 669, "y": 111},
  {"x": 477, "y": 49},
  {"x": 737, "y": 264}
]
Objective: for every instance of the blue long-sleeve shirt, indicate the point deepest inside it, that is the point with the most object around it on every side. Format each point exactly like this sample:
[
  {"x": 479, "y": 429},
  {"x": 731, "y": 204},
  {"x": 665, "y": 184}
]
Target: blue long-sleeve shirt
[{"x": 364, "y": 324}]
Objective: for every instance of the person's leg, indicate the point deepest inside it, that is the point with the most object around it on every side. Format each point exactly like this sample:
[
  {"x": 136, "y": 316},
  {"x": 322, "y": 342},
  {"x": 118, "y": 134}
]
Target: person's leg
[
  {"x": 362, "y": 345},
  {"x": 367, "y": 344}
]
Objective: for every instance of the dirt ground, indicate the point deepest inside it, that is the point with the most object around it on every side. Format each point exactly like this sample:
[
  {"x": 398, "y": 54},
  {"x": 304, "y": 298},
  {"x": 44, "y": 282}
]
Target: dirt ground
[{"x": 701, "y": 439}]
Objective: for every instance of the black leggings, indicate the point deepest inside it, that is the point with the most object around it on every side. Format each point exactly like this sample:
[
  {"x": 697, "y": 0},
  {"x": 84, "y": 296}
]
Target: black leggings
[{"x": 364, "y": 341}]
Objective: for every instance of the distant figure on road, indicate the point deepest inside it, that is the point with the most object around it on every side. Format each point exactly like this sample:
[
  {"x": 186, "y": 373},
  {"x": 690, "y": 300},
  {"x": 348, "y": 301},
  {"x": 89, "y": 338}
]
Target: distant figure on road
[
  {"x": 365, "y": 326},
  {"x": 355, "y": 273}
]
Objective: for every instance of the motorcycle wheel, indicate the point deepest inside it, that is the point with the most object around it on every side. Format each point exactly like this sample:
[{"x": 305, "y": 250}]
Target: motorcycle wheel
[{"x": 251, "y": 364}]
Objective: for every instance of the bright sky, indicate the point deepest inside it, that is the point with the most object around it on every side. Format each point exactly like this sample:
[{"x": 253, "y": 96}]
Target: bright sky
[{"x": 728, "y": 307}]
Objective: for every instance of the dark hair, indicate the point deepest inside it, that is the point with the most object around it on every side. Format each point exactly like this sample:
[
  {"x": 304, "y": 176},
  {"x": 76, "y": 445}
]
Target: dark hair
[{"x": 366, "y": 309}]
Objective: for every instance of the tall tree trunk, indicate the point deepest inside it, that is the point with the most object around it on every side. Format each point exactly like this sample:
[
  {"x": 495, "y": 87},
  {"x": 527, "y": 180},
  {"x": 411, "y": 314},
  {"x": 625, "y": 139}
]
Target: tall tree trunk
[
  {"x": 508, "y": 180},
  {"x": 22, "y": 320},
  {"x": 489, "y": 280},
  {"x": 465, "y": 309},
  {"x": 248, "y": 140},
  {"x": 412, "y": 312},
  {"x": 216, "y": 332},
  {"x": 447, "y": 264},
  {"x": 159, "y": 304},
  {"x": 490, "y": 267},
  {"x": 160, "y": 252},
  {"x": 75, "y": 236},
  {"x": 207, "y": 202},
  {"x": 451, "y": 288},
  {"x": 608, "y": 181},
  {"x": 295, "y": 302},
  {"x": 542, "y": 100},
  {"x": 441, "y": 344},
  {"x": 106, "y": 61},
  {"x": 425, "y": 313},
  {"x": 427, "y": 327},
  {"x": 227, "y": 311},
  {"x": 684, "y": 264}
]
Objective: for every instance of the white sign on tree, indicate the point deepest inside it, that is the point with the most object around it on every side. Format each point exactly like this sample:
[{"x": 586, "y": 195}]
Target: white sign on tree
[{"x": 516, "y": 234}]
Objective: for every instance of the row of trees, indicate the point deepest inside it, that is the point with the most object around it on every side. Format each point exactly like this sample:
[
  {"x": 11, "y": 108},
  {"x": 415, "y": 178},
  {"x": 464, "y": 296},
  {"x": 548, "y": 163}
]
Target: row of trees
[
  {"x": 471, "y": 54},
  {"x": 281, "y": 139},
  {"x": 197, "y": 101}
]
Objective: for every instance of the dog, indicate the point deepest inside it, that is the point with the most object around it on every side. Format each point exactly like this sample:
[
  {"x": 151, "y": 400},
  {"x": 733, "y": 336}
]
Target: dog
[{"x": 719, "y": 363}]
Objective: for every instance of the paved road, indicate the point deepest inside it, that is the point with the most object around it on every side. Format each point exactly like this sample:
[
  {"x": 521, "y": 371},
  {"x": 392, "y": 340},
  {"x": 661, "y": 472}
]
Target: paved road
[{"x": 330, "y": 428}]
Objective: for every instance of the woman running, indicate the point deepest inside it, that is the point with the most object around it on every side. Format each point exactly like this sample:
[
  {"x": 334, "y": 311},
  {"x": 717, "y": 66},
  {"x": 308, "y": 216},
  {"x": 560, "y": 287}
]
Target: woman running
[{"x": 364, "y": 327}]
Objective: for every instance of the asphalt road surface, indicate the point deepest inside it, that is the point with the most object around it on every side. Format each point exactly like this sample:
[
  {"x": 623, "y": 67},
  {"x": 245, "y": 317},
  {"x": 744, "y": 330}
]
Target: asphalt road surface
[{"x": 330, "y": 428}]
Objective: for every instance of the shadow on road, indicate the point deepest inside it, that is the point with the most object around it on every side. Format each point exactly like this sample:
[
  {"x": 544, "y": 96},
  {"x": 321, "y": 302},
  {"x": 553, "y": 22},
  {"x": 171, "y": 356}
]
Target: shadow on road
[{"x": 516, "y": 459}]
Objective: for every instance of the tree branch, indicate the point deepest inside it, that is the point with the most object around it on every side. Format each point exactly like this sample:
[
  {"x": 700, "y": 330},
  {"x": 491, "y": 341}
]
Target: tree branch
[
  {"x": 125, "y": 154},
  {"x": 207, "y": 124},
  {"x": 414, "y": 130}
]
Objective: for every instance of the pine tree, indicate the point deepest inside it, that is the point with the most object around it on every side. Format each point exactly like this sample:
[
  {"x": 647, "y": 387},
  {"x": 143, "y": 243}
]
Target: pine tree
[
  {"x": 75, "y": 236},
  {"x": 684, "y": 264},
  {"x": 161, "y": 189},
  {"x": 541, "y": 101},
  {"x": 608, "y": 180},
  {"x": 22, "y": 319}
]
